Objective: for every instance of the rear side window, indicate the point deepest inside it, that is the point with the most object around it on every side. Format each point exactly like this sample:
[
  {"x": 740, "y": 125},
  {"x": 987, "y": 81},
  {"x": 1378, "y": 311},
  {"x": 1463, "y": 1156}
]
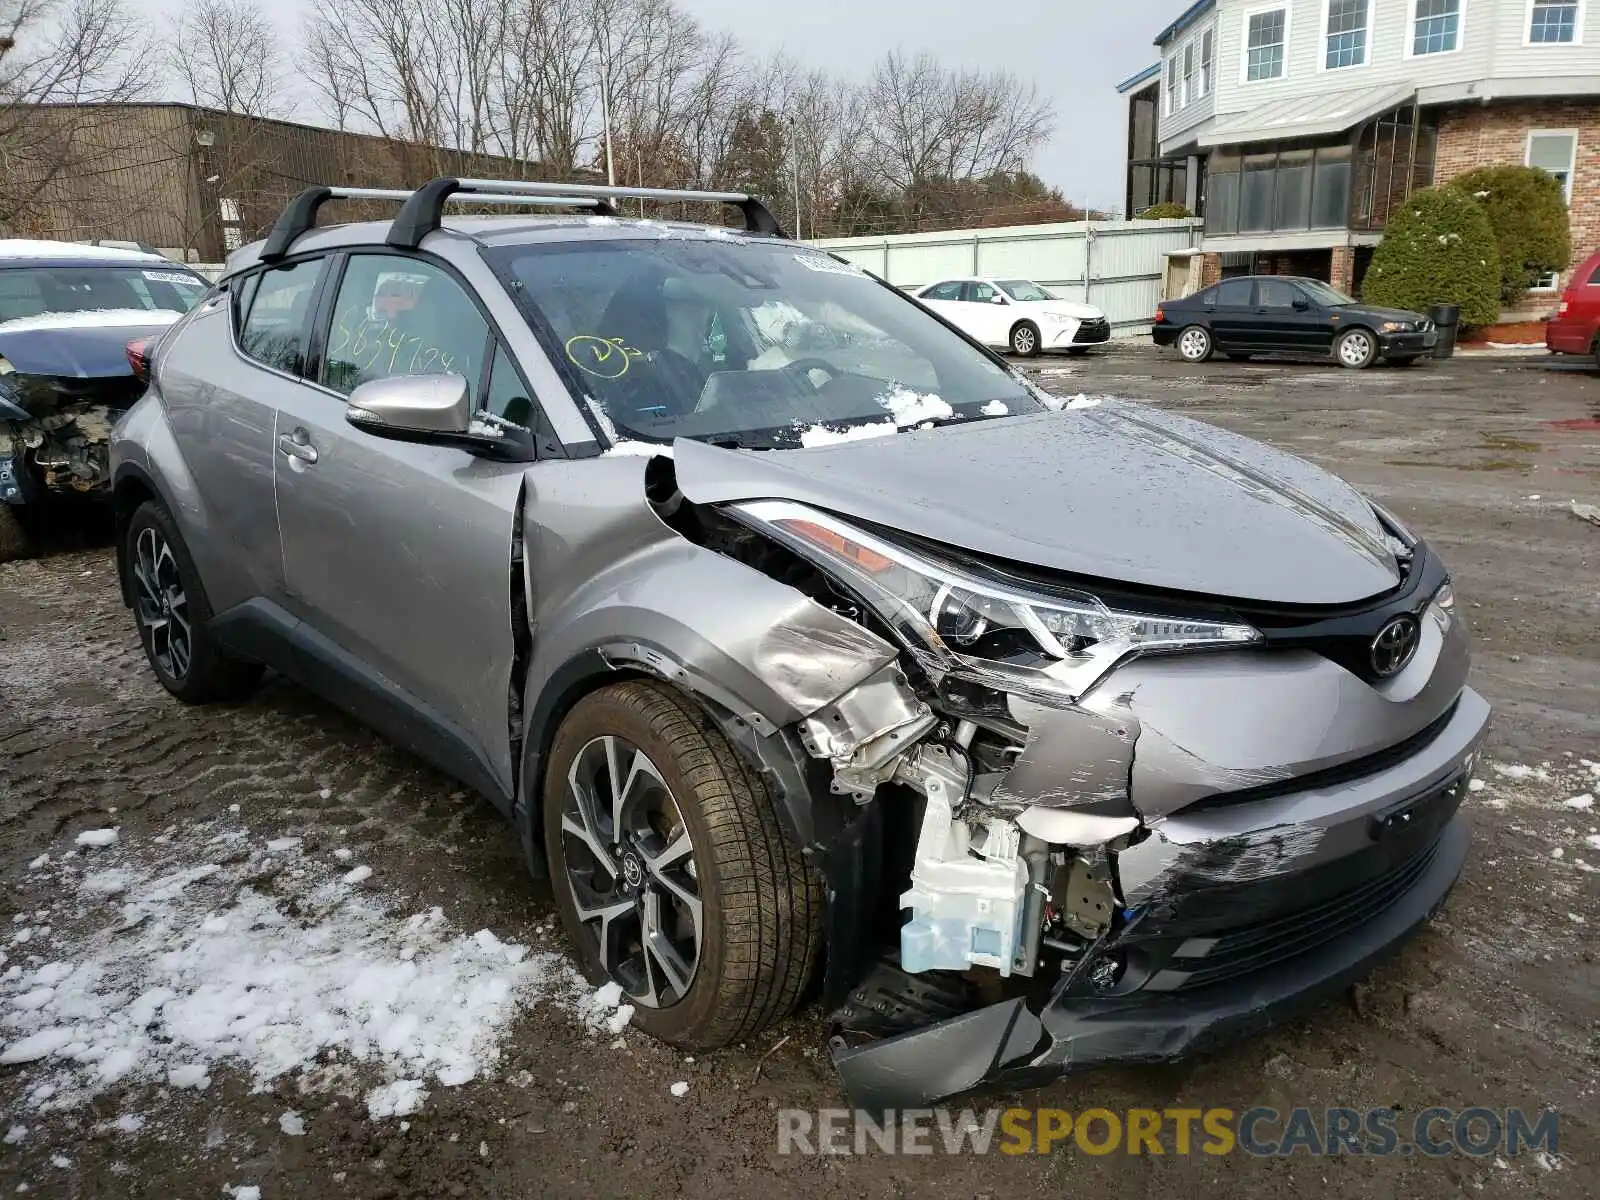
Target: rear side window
[
  {"x": 1234, "y": 292},
  {"x": 402, "y": 316},
  {"x": 1594, "y": 272},
  {"x": 277, "y": 314},
  {"x": 1276, "y": 293},
  {"x": 943, "y": 291}
]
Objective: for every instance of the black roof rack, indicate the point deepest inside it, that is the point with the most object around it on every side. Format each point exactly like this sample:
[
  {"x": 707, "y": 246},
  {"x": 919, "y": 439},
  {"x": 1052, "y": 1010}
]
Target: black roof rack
[
  {"x": 421, "y": 213},
  {"x": 301, "y": 213}
]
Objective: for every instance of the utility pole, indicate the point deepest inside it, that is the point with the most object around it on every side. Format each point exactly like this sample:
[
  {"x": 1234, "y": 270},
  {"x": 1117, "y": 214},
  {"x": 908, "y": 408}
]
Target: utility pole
[
  {"x": 603, "y": 37},
  {"x": 794, "y": 150}
]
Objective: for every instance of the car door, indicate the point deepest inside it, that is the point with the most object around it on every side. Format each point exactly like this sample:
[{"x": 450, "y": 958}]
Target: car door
[
  {"x": 944, "y": 299},
  {"x": 1231, "y": 314},
  {"x": 1287, "y": 320},
  {"x": 243, "y": 351},
  {"x": 988, "y": 313},
  {"x": 397, "y": 556}
]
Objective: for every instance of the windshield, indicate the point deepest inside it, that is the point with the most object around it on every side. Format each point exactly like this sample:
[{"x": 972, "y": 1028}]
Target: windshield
[
  {"x": 37, "y": 291},
  {"x": 1322, "y": 293},
  {"x": 1021, "y": 289},
  {"x": 749, "y": 342}
]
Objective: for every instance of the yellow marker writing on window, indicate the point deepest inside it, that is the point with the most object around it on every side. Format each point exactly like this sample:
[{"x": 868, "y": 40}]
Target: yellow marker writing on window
[{"x": 607, "y": 358}]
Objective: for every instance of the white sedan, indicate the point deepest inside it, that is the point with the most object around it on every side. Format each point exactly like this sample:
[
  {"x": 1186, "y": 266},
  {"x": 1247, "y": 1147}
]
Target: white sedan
[{"x": 1016, "y": 315}]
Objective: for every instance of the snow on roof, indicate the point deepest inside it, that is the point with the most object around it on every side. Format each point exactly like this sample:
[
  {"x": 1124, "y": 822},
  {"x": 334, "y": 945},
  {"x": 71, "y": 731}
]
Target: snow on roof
[
  {"x": 92, "y": 318},
  {"x": 36, "y": 248}
]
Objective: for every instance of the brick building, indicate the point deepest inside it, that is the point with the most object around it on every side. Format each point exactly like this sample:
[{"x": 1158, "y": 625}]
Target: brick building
[
  {"x": 194, "y": 182},
  {"x": 1296, "y": 126}
]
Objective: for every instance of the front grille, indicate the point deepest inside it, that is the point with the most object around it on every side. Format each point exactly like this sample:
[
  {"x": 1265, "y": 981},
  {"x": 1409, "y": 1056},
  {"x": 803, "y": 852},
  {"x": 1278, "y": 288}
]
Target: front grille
[
  {"x": 1268, "y": 943},
  {"x": 1098, "y": 330}
]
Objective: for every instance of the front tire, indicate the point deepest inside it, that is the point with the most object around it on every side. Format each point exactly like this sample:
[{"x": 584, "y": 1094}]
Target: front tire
[
  {"x": 671, "y": 873},
  {"x": 1356, "y": 348},
  {"x": 1194, "y": 344},
  {"x": 174, "y": 615},
  {"x": 1025, "y": 339},
  {"x": 14, "y": 543}
]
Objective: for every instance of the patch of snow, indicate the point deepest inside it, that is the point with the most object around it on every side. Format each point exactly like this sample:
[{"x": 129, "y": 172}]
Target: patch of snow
[
  {"x": 286, "y": 843},
  {"x": 601, "y": 220},
  {"x": 106, "y": 883},
  {"x": 39, "y": 248},
  {"x": 995, "y": 408},
  {"x": 912, "y": 408},
  {"x": 326, "y": 793},
  {"x": 1476, "y": 785},
  {"x": 245, "y": 1192},
  {"x": 1575, "y": 918},
  {"x": 1579, "y": 802},
  {"x": 618, "y": 1021},
  {"x": 628, "y": 448},
  {"x": 1520, "y": 772},
  {"x": 358, "y": 875},
  {"x": 680, "y": 1089},
  {"x": 398, "y": 1099},
  {"x": 1062, "y": 403},
  {"x": 822, "y": 435},
  {"x": 97, "y": 837},
  {"x": 60, "y": 1161},
  {"x": 1593, "y": 839},
  {"x": 39, "y": 863},
  {"x": 344, "y": 854},
  {"x": 292, "y": 1124},
  {"x": 94, "y": 318},
  {"x": 128, "y": 1123},
  {"x": 193, "y": 968},
  {"x": 14, "y": 1135}
]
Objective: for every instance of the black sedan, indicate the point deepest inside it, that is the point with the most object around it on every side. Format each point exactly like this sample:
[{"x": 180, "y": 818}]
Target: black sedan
[{"x": 1285, "y": 314}]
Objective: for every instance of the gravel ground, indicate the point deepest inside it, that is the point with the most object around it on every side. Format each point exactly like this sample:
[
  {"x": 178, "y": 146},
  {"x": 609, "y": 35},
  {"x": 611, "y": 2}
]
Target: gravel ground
[{"x": 1496, "y": 1005}]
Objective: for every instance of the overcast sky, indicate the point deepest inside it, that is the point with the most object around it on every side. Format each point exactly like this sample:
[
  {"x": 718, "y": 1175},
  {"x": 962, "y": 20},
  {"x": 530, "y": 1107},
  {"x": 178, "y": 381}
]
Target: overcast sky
[{"x": 1076, "y": 51}]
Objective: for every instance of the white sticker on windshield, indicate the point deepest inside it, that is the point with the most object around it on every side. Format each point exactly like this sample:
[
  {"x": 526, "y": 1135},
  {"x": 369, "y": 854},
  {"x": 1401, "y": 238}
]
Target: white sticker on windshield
[
  {"x": 827, "y": 265},
  {"x": 170, "y": 277}
]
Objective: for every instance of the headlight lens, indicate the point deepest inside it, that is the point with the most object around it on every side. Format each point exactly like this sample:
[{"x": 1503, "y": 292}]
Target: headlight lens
[
  {"x": 1443, "y": 605},
  {"x": 1398, "y": 326},
  {"x": 1056, "y": 646}
]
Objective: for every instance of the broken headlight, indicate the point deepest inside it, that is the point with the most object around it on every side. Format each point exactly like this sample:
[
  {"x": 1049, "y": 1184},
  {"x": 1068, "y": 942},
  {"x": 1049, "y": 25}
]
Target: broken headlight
[{"x": 1053, "y": 645}]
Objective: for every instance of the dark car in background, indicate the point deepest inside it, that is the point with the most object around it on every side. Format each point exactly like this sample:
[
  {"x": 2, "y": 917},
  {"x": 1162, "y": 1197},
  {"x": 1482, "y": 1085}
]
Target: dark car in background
[
  {"x": 74, "y": 322},
  {"x": 1285, "y": 314}
]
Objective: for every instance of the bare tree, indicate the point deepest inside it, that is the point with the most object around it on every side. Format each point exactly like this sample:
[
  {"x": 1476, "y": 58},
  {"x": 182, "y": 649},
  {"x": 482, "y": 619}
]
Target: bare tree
[
  {"x": 225, "y": 54},
  {"x": 60, "y": 61}
]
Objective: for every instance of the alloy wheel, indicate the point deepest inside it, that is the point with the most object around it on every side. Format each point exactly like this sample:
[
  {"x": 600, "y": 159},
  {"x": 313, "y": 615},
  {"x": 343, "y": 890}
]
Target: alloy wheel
[
  {"x": 631, "y": 869},
  {"x": 1193, "y": 344},
  {"x": 1355, "y": 348},
  {"x": 1022, "y": 341},
  {"x": 163, "y": 607}
]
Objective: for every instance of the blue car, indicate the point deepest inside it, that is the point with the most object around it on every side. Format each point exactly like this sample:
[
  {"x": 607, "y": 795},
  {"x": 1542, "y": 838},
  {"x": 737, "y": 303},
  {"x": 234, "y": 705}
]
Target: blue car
[{"x": 74, "y": 324}]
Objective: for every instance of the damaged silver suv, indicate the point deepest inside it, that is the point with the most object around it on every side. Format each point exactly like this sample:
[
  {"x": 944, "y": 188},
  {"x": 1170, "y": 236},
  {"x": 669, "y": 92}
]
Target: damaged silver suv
[{"x": 810, "y": 649}]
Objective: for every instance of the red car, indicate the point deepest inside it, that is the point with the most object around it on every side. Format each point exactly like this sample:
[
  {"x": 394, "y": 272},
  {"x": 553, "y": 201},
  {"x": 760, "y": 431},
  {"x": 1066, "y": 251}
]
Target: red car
[{"x": 1575, "y": 329}]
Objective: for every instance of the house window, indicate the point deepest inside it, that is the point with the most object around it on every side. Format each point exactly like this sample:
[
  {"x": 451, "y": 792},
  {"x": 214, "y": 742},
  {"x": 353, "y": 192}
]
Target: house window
[
  {"x": 1436, "y": 28},
  {"x": 1172, "y": 85},
  {"x": 1553, "y": 150},
  {"x": 1207, "y": 57},
  {"x": 1553, "y": 21},
  {"x": 1347, "y": 33},
  {"x": 1189, "y": 81},
  {"x": 1264, "y": 39}
]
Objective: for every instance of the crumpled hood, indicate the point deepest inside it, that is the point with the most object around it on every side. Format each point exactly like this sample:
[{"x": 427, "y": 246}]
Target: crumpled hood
[
  {"x": 1120, "y": 492},
  {"x": 92, "y": 349}
]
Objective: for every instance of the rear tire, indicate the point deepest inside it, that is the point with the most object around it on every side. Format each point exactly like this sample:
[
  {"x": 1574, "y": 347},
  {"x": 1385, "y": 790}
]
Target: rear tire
[
  {"x": 1194, "y": 344},
  {"x": 693, "y": 856},
  {"x": 1356, "y": 349},
  {"x": 1025, "y": 339},
  {"x": 14, "y": 542},
  {"x": 174, "y": 615}
]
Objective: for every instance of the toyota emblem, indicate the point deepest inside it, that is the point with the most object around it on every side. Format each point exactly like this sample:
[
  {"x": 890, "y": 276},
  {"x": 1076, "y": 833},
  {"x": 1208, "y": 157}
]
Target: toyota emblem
[{"x": 1393, "y": 647}]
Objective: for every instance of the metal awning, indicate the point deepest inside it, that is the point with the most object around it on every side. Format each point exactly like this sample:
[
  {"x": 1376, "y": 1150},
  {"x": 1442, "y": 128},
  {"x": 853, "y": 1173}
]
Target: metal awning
[{"x": 1309, "y": 116}]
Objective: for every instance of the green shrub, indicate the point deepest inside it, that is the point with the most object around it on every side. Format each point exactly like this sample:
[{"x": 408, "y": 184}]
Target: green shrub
[
  {"x": 1438, "y": 249},
  {"x": 1528, "y": 213},
  {"x": 1169, "y": 209}
]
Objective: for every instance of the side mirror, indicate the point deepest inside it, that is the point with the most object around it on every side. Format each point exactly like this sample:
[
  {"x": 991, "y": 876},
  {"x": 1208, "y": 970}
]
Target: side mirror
[
  {"x": 997, "y": 299},
  {"x": 1301, "y": 304},
  {"x": 434, "y": 410}
]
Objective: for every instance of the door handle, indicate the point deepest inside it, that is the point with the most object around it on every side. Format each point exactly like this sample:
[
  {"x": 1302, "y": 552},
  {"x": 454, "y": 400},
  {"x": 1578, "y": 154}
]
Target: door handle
[{"x": 297, "y": 445}]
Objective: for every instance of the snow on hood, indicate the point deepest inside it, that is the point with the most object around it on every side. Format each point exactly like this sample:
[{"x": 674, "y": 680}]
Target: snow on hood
[
  {"x": 37, "y": 248},
  {"x": 94, "y": 318}
]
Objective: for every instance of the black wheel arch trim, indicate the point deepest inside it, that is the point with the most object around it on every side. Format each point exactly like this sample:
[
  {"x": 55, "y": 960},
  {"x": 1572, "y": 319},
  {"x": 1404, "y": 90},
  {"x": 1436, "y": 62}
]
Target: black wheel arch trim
[{"x": 125, "y": 473}]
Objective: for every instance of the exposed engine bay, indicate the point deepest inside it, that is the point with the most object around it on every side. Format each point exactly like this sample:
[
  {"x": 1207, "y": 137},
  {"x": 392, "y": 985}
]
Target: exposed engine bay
[{"x": 55, "y": 433}]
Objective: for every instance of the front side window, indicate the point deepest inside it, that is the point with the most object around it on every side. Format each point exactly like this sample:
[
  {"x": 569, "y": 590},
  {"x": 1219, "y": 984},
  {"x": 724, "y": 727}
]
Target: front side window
[
  {"x": 749, "y": 342},
  {"x": 1208, "y": 56},
  {"x": 1265, "y": 35},
  {"x": 44, "y": 291},
  {"x": 1437, "y": 27},
  {"x": 980, "y": 293},
  {"x": 1347, "y": 33},
  {"x": 402, "y": 316},
  {"x": 274, "y": 314},
  {"x": 1276, "y": 293},
  {"x": 1023, "y": 291},
  {"x": 1553, "y": 21}
]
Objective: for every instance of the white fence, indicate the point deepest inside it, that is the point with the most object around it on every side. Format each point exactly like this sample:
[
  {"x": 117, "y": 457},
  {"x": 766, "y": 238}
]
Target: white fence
[{"x": 1115, "y": 265}]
